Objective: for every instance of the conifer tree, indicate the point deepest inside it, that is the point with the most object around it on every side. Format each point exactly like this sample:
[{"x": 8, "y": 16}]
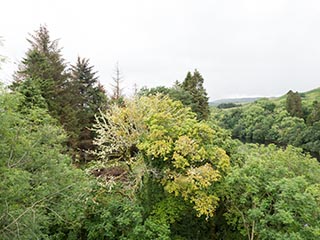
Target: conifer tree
[
  {"x": 45, "y": 67},
  {"x": 194, "y": 85},
  {"x": 294, "y": 105},
  {"x": 86, "y": 97},
  {"x": 72, "y": 96}
]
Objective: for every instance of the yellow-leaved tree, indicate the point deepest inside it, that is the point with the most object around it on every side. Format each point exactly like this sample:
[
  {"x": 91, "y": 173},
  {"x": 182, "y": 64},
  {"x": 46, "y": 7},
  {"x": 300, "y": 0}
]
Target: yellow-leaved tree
[{"x": 170, "y": 143}]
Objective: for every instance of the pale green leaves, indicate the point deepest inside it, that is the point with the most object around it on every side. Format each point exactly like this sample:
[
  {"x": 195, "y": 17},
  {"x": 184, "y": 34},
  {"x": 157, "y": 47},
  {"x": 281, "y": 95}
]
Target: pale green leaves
[{"x": 171, "y": 141}]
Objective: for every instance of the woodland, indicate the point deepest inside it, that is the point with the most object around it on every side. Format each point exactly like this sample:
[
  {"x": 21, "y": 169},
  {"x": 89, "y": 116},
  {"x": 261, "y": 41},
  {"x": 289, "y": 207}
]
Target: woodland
[{"x": 78, "y": 163}]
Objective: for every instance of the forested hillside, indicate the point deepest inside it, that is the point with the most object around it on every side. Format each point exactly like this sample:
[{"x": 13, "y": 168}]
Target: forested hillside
[
  {"x": 76, "y": 163},
  {"x": 293, "y": 119}
]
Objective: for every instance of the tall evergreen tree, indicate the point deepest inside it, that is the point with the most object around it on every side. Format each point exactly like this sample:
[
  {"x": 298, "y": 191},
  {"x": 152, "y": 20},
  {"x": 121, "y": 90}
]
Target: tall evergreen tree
[
  {"x": 45, "y": 67},
  {"x": 293, "y": 104},
  {"x": 72, "y": 96},
  {"x": 194, "y": 85},
  {"x": 86, "y": 97}
]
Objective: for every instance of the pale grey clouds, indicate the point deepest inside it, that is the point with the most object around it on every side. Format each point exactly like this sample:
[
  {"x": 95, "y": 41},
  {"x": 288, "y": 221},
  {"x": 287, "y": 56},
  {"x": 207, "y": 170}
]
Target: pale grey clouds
[{"x": 241, "y": 47}]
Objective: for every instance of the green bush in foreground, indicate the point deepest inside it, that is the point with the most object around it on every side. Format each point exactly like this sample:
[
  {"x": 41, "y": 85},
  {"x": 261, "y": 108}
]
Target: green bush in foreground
[
  {"x": 275, "y": 194},
  {"x": 40, "y": 192}
]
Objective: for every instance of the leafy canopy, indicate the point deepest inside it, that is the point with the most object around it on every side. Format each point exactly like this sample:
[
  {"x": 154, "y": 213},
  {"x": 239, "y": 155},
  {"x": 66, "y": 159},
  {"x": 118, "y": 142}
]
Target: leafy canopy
[
  {"x": 274, "y": 194},
  {"x": 41, "y": 193},
  {"x": 174, "y": 146}
]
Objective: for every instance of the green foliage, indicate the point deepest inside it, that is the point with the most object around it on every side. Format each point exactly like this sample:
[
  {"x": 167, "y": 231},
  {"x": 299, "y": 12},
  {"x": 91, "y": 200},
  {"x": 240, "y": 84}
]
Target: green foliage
[
  {"x": 311, "y": 139},
  {"x": 72, "y": 97},
  {"x": 293, "y": 104},
  {"x": 252, "y": 123},
  {"x": 45, "y": 67},
  {"x": 114, "y": 214},
  {"x": 274, "y": 195},
  {"x": 266, "y": 122},
  {"x": 40, "y": 192},
  {"x": 164, "y": 168},
  {"x": 290, "y": 130},
  {"x": 44, "y": 197},
  {"x": 190, "y": 92},
  {"x": 193, "y": 84},
  {"x": 314, "y": 116},
  {"x": 176, "y": 93},
  {"x": 86, "y": 97},
  {"x": 177, "y": 161},
  {"x": 33, "y": 97},
  {"x": 228, "y": 105},
  {"x": 172, "y": 211}
]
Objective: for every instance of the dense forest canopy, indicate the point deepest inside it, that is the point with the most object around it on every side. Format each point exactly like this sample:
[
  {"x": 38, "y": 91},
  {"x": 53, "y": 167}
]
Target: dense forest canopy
[
  {"x": 293, "y": 119},
  {"x": 76, "y": 163}
]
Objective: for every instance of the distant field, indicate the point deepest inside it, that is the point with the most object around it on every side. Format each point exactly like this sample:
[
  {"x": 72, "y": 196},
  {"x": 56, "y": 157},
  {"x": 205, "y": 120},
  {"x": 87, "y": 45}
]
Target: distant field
[
  {"x": 307, "y": 97},
  {"x": 311, "y": 96},
  {"x": 233, "y": 100}
]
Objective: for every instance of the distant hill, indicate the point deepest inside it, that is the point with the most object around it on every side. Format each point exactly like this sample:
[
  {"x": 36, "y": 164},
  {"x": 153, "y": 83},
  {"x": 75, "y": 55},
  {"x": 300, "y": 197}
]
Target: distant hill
[
  {"x": 233, "y": 100},
  {"x": 307, "y": 97},
  {"x": 312, "y": 95}
]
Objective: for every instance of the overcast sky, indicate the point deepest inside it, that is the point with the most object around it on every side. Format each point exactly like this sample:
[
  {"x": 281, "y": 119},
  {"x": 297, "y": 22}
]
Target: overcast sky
[{"x": 241, "y": 47}]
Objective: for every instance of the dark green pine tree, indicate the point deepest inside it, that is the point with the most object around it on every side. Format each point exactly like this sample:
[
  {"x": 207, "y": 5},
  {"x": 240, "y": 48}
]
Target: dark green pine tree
[
  {"x": 44, "y": 66},
  {"x": 86, "y": 97},
  {"x": 294, "y": 105},
  {"x": 194, "y": 85}
]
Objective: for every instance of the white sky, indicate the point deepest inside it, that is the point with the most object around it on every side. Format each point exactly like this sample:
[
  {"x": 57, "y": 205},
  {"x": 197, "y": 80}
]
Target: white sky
[{"x": 241, "y": 47}]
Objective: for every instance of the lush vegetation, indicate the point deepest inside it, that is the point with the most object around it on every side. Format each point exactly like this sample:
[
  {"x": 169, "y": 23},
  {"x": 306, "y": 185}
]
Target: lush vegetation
[
  {"x": 72, "y": 95},
  {"x": 77, "y": 164},
  {"x": 41, "y": 193},
  {"x": 290, "y": 120}
]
